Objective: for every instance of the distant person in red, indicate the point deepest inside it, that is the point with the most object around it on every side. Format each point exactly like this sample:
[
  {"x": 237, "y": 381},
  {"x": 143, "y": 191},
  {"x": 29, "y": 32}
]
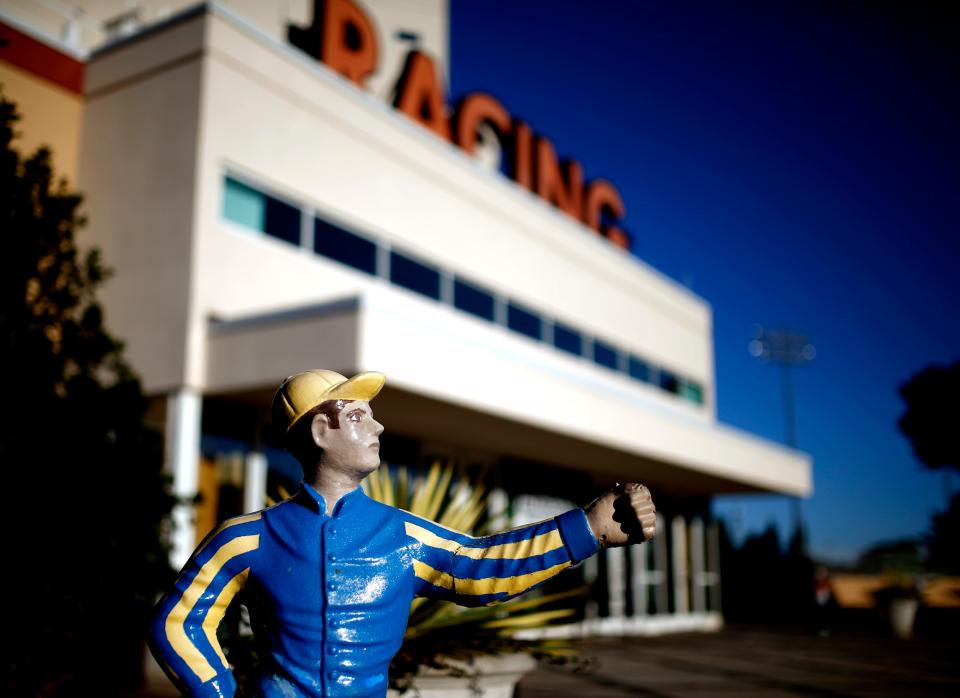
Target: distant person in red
[{"x": 823, "y": 600}]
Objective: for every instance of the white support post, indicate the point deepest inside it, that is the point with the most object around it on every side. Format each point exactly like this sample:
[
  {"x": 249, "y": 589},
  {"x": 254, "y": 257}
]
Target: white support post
[
  {"x": 713, "y": 566},
  {"x": 697, "y": 565},
  {"x": 681, "y": 587},
  {"x": 182, "y": 456},
  {"x": 498, "y": 510},
  {"x": 638, "y": 561},
  {"x": 254, "y": 481},
  {"x": 616, "y": 583},
  {"x": 659, "y": 574},
  {"x": 591, "y": 570}
]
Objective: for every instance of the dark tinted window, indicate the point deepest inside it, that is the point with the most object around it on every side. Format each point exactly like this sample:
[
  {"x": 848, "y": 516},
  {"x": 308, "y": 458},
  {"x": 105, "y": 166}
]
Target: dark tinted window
[
  {"x": 524, "y": 321},
  {"x": 283, "y": 221},
  {"x": 473, "y": 299},
  {"x": 336, "y": 243},
  {"x": 417, "y": 276},
  {"x": 668, "y": 381},
  {"x": 605, "y": 355},
  {"x": 567, "y": 339},
  {"x": 639, "y": 369}
]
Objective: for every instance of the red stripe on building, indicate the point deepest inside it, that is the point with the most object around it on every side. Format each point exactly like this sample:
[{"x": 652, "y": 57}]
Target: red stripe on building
[{"x": 38, "y": 58}]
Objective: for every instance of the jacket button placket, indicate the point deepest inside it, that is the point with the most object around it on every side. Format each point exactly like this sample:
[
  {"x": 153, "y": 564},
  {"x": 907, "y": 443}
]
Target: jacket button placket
[
  {"x": 324, "y": 640},
  {"x": 330, "y": 587}
]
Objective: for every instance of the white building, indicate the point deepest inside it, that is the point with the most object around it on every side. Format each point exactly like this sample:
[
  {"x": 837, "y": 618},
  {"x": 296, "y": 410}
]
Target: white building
[{"x": 265, "y": 215}]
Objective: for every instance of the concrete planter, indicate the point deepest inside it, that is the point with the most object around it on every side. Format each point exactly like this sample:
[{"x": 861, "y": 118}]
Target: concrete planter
[
  {"x": 493, "y": 676},
  {"x": 903, "y": 613}
]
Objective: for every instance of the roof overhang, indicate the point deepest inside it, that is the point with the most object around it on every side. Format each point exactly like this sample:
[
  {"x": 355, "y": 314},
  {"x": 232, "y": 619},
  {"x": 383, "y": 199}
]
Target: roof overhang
[{"x": 472, "y": 385}]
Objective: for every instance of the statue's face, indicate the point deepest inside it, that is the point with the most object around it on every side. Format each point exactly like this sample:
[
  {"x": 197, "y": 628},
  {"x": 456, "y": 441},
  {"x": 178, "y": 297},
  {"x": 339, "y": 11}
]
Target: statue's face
[{"x": 355, "y": 446}]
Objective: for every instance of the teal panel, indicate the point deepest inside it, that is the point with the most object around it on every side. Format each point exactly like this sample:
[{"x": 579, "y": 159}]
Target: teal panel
[
  {"x": 244, "y": 205},
  {"x": 694, "y": 392}
]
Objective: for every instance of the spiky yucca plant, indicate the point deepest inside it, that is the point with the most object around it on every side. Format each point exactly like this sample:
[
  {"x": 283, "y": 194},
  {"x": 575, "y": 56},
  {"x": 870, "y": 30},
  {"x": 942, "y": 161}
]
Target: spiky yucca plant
[{"x": 440, "y": 631}]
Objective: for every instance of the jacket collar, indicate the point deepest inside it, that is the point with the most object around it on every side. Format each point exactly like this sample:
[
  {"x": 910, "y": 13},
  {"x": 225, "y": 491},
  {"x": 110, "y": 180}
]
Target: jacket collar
[{"x": 313, "y": 500}]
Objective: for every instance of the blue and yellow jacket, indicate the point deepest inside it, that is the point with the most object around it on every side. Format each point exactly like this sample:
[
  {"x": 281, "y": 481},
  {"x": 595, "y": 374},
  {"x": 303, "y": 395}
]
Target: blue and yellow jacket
[{"x": 336, "y": 590}]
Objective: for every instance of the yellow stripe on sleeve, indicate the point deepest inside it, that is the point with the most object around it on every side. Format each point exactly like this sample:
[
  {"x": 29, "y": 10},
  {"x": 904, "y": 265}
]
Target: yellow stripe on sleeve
[
  {"x": 510, "y": 585},
  {"x": 228, "y": 524},
  {"x": 175, "y": 623},
  {"x": 489, "y": 585},
  {"x": 430, "y": 538},
  {"x": 215, "y": 613},
  {"x": 432, "y": 576},
  {"x": 520, "y": 550}
]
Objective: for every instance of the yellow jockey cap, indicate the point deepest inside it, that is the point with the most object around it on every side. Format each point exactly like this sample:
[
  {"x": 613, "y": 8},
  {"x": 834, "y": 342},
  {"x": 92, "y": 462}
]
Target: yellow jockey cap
[{"x": 301, "y": 392}]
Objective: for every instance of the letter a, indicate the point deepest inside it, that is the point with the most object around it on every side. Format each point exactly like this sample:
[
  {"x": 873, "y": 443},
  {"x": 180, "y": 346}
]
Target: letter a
[{"x": 420, "y": 94}]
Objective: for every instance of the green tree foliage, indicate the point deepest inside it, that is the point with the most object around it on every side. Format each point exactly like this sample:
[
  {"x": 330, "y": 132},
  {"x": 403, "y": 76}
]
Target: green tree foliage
[
  {"x": 903, "y": 557},
  {"x": 943, "y": 542},
  {"x": 933, "y": 413},
  {"x": 85, "y": 498},
  {"x": 762, "y": 582},
  {"x": 930, "y": 423}
]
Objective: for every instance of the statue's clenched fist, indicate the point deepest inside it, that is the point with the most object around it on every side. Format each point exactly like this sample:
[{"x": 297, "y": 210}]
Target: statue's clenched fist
[{"x": 623, "y": 515}]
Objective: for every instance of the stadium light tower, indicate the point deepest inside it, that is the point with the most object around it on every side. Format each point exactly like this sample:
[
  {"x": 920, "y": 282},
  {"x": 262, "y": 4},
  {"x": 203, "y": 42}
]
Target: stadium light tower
[{"x": 788, "y": 349}]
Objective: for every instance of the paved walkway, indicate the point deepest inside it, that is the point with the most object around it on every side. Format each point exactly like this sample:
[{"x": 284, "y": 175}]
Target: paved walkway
[
  {"x": 753, "y": 663},
  {"x": 737, "y": 662}
]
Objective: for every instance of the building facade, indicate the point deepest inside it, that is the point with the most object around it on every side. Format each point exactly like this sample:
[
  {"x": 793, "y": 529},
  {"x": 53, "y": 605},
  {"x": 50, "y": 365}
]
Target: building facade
[{"x": 281, "y": 186}]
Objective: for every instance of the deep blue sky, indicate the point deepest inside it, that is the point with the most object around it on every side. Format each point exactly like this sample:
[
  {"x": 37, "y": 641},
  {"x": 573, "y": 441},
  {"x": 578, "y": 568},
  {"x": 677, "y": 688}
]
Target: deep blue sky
[{"x": 796, "y": 165}]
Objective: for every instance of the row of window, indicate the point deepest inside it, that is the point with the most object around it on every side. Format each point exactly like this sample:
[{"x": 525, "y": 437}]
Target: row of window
[{"x": 261, "y": 212}]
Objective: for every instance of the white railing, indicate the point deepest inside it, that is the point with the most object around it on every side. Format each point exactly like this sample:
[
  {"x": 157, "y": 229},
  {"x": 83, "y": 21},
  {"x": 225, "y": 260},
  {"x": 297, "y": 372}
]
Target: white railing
[{"x": 680, "y": 566}]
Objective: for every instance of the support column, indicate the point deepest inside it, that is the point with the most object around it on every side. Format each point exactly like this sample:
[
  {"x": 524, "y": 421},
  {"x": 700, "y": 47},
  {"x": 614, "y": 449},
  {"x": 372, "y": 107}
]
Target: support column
[
  {"x": 678, "y": 546},
  {"x": 254, "y": 481},
  {"x": 638, "y": 561},
  {"x": 698, "y": 567},
  {"x": 182, "y": 456},
  {"x": 713, "y": 565},
  {"x": 591, "y": 570},
  {"x": 498, "y": 510},
  {"x": 659, "y": 574},
  {"x": 616, "y": 583}
]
